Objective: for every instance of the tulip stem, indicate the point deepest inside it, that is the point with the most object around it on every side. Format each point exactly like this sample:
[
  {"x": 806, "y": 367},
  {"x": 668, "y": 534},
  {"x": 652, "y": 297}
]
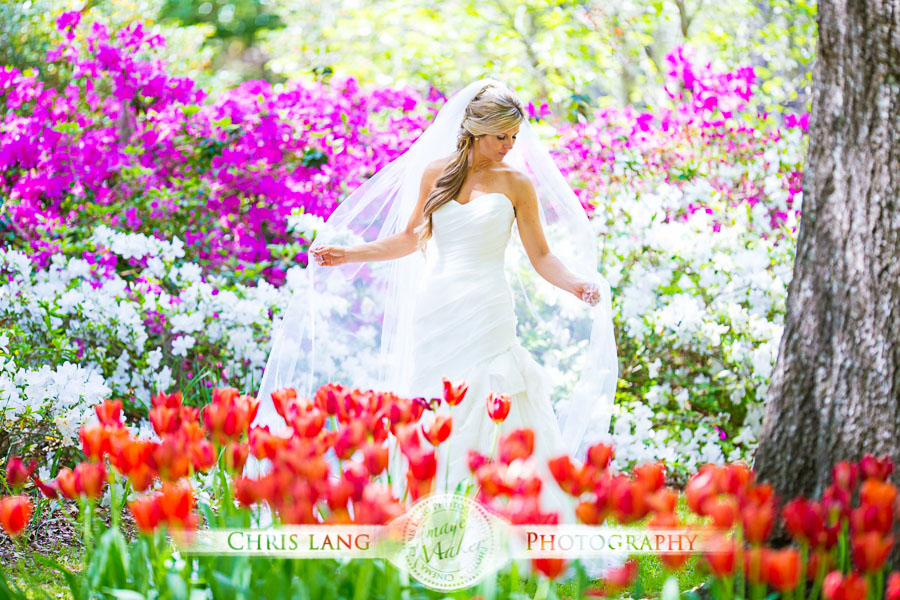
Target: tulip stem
[
  {"x": 843, "y": 554},
  {"x": 86, "y": 529},
  {"x": 496, "y": 437},
  {"x": 542, "y": 589},
  {"x": 447, "y": 469},
  {"x": 820, "y": 575},
  {"x": 740, "y": 576},
  {"x": 804, "y": 558}
]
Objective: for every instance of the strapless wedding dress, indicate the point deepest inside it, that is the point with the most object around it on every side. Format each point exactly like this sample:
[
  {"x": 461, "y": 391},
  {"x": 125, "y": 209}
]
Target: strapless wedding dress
[{"x": 464, "y": 328}]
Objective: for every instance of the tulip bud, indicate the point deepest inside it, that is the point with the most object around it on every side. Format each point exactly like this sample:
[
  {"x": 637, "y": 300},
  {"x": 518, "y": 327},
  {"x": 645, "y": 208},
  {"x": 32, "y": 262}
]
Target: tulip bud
[
  {"x": 17, "y": 473},
  {"x": 15, "y": 512},
  {"x": 498, "y": 406}
]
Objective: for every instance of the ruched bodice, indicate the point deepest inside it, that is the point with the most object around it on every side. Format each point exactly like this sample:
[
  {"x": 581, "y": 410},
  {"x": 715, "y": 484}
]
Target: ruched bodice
[
  {"x": 472, "y": 237},
  {"x": 464, "y": 328}
]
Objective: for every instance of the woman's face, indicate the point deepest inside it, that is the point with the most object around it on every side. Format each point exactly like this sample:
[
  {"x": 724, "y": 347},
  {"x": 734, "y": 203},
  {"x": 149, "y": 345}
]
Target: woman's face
[{"x": 496, "y": 145}]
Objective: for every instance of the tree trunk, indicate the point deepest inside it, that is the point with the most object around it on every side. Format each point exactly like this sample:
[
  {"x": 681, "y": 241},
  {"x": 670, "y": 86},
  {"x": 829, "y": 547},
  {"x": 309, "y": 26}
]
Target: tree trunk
[{"x": 835, "y": 389}]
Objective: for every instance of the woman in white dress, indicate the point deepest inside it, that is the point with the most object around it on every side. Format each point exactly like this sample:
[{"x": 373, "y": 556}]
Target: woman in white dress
[
  {"x": 464, "y": 320},
  {"x": 373, "y": 312}
]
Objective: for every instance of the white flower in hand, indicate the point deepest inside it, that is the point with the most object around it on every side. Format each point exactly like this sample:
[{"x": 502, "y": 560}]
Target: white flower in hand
[{"x": 588, "y": 292}]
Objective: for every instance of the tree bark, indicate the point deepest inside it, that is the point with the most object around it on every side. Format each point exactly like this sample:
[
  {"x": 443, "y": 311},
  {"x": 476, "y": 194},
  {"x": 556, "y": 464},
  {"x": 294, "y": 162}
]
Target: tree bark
[{"x": 835, "y": 390}]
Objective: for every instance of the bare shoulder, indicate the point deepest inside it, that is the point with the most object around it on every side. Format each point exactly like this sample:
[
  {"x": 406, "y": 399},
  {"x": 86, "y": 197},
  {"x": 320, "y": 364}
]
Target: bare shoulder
[
  {"x": 521, "y": 188},
  {"x": 438, "y": 164},
  {"x": 432, "y": 171}
]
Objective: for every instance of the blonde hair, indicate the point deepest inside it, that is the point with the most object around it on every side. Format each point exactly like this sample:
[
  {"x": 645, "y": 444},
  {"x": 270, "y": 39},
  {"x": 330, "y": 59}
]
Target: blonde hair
[{"x": 495, "y": 109}]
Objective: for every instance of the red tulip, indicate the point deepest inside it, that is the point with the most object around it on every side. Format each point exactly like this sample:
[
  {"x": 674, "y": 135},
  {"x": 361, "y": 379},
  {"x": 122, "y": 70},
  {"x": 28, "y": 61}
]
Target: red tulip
[
  {"x": 805, "y": 521},
  {"x": 870, "y": 517},
  {"x": 236, "y": 454},
  {"x": 263, "y": 444},
  {"x": 309, "y": 423},
  {"x": 350, "y": 438},
  {"x": 65, "y": 482},
  {"x": 376, "y": 458},
  {"x": 422, "y": 463},
  {"x": 498, "y": 406},
  {"x": 722, "y": 509},
  {"x": 454, "y": 391},
  {"x": 700, "y": 486},
  {"x": 475, "y": 460},
  {"x": 49, "y": 490},
  {"x": 600, "y": 455},
  {"x": 15, "y": 512},
  {"x": 146, "y": 513},
  {"x": 845, "y": 475},
  {"x": 17, "y": 473},
  {"x": 733, "y": 478},
  {"x": 358, "y": 476},
  {"x": 835, "y": 505},
  {"x": 877, "y": 468},
  {"x": 652, "y": 476},
  {"x": 203, "y": 455},
  {"x": 662, "y": 500},
  {"x": 282, "y": 399},
  {"x": 893, "y": 586},
  {"x": 418, "y": 488},
  {"x": 440, "y": 429},
  {"x": 837, "y": 587},
  {"x": 565, "y": 474},
  {"x": 720, "y": 555},
  {"x": 870, "y": 551},
  {"x": 516, "y": 444},
  {"x": 247, "y": 491},
  {"x": 782, "y": 568},
  {"x": 109, "y": 412},
  {"x": 170, "y": 400},
  {"x": 620, "y": 578},
  {"x": 90, "y": 478},
  {"x": 94, "y": 441},
  {"x": 758, "y": 519},
  {"x": 175, "y": 502},
  {"x": 551, "y": 567},
  {"x": 879, "y": 493},
  {"x": 589, "y": 513},
  {"x": 164, "y": 419},
  {"x": 627, "y": 500}
]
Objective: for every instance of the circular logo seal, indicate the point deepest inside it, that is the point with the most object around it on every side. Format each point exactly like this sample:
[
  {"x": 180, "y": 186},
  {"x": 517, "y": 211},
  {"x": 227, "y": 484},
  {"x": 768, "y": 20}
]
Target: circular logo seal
[{"x": 449, "y": 541}]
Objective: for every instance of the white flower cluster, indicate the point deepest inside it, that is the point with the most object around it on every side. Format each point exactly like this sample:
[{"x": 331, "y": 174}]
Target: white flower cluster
[
  {"x": 683, "y": 288},
  {"x": 122, "y": 357},
  {"x": 304, "y": 224},
  {"x": 137, "y": 245}
]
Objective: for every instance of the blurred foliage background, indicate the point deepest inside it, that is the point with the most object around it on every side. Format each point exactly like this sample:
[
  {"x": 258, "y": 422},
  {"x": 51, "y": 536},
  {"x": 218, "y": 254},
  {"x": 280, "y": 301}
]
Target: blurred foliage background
[{"x": 573, "y": 55}]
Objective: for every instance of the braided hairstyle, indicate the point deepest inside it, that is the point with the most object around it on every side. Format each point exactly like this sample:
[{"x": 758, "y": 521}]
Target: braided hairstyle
[{"x": 495, "y": 109}]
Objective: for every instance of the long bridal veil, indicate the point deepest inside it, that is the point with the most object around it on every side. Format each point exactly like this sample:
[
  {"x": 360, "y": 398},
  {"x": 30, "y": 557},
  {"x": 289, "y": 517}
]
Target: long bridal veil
[{"x": 351, "y": 324}]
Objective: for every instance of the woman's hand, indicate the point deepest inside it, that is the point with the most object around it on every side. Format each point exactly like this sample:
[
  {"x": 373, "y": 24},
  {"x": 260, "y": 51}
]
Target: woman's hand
[
  {"x": 329, "y": 256},
  {"x": 587, "y": 291}
]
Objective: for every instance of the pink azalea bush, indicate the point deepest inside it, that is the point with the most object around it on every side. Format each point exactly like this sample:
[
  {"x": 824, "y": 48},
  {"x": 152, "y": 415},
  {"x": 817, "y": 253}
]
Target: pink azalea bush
[
  {"x": 130, "y": 146},
  {"x": 711, "y": 121}
]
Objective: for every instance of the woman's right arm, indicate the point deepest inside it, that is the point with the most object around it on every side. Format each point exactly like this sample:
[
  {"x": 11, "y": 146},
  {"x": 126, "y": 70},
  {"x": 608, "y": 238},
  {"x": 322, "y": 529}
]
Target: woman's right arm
[{"x": 394, "y": 246}]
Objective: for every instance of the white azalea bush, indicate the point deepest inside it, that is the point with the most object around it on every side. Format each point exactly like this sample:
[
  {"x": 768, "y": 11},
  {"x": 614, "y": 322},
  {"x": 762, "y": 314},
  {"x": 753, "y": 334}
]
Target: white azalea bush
[{"x": 700, "y": 309}]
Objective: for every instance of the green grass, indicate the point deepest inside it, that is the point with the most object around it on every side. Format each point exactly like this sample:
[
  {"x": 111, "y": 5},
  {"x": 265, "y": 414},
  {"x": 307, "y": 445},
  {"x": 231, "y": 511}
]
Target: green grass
[{"x": 40, "y": 581}]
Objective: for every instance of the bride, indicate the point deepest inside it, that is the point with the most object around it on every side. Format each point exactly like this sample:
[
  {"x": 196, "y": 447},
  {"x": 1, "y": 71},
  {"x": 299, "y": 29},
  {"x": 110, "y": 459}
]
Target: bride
[{"x": 446, "y": 308}]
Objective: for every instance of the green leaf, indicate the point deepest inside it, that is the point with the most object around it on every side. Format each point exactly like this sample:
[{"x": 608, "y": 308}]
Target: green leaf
[
  {"x": 72, "y": 580},
  {"x": 124, "y": 594},
  {"x": 177, "y": 586}
]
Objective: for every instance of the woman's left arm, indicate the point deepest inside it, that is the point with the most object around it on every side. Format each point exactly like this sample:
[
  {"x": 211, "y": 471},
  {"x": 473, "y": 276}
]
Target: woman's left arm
[{"x": 545, "y": 262}]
